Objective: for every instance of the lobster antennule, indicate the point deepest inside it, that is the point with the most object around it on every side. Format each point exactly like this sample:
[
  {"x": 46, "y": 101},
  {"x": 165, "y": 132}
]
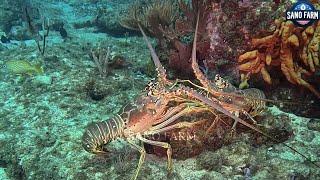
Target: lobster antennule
[{"x": 98, "y": 134}]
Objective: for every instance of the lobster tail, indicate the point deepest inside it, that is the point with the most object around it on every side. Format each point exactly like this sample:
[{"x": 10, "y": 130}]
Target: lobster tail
[{"x": 98, "y": 134}]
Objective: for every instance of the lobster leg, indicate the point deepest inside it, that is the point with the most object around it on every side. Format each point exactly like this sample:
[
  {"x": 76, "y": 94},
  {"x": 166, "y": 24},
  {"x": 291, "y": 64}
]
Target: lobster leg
[
  {"x": 170, "y": 120},
  {"x": 190, "y": 82},
  {"x": 178, "y": 125},
  {"x": 248, "y": 115},
  {"x": 180, "y": 112},
  {"x": 161, "y": 144},
  {"x": 216, "y": 119},
  {"x": 169, "y": 114},
  {"x": 141, "y": 159}
]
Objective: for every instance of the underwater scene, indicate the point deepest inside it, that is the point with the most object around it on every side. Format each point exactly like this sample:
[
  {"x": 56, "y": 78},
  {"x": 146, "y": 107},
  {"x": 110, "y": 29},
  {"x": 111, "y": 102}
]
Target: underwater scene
[{"x": 159, "y": 89}]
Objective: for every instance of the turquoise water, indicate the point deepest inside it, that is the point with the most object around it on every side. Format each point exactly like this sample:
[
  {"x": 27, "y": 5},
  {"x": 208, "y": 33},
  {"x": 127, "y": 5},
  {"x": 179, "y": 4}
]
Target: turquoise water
[{"x": 102, "y": 96}]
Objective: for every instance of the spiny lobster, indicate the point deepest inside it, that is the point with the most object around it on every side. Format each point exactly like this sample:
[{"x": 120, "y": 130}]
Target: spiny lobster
[
  {"x": 250, "y": 102},
  {"x": 164, "y": 102}
]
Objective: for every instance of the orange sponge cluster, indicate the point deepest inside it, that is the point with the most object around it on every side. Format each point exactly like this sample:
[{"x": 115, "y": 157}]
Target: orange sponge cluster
[{"x": 294, "y": 49}]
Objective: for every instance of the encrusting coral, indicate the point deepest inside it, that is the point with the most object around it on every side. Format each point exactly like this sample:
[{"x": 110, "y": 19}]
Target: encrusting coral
[{"x": 294, "y": 49}]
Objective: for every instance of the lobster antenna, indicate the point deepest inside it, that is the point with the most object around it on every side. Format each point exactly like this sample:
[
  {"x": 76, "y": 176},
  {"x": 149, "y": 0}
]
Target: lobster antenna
[
  {"x": 162, "y": 76},
  {"x": 269, "y": 100}
]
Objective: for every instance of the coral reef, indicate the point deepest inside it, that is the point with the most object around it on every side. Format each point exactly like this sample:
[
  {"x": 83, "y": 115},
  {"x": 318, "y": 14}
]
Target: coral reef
[
  {"x": 293, "y": 49},
  {"x": 225, "y": 28}
]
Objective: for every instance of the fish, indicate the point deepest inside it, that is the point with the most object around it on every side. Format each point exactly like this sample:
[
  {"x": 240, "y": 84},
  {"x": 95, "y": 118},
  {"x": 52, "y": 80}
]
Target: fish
[{"x": 23, "y": 67}]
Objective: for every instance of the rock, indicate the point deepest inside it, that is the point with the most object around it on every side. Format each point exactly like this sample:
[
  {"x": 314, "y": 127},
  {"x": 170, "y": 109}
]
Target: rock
[
  {"x": 2, "y": 47},
  {"x": 19, "y": 33},
  {"x": 3, "y": 174},
  {"x": 210, "y": 161},
  {"x": 42, "y": 80},
  {"x": 314, "y": 124}
]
